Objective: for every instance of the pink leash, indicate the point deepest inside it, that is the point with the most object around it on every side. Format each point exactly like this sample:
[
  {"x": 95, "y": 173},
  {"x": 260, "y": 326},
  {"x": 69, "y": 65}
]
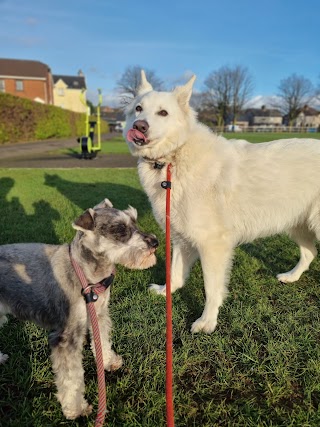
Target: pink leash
[{"x": 90, "y": 298}]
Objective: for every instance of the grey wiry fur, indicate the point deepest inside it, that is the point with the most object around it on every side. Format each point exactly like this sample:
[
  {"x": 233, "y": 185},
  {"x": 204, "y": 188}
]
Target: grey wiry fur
[{"x": 38, "y": 283}]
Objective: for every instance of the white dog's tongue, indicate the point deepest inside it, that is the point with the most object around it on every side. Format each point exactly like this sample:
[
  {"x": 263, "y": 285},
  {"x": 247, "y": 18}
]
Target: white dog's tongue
[{"x": 136, "y": 136}]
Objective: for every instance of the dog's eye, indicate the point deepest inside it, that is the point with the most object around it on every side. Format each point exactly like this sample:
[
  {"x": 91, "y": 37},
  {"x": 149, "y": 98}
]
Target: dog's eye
[
  {"x": 120, "y": 232},
  {"x": 138, "y": 108},
  {"x": 163, "y": 113},
  {"x": 120, "y": 229}
]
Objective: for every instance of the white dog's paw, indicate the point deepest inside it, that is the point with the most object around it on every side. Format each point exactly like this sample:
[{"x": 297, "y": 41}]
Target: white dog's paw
[
  {"x": 288, "y": 277},
  {"x": 206, "y": 326},
  {"x": 3, "y": 357},
  {"x": 158, "y": 289}
]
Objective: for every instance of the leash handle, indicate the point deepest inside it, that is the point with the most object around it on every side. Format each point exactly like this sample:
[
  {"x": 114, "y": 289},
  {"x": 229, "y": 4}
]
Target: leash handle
[{"x": 169, "y": 345}]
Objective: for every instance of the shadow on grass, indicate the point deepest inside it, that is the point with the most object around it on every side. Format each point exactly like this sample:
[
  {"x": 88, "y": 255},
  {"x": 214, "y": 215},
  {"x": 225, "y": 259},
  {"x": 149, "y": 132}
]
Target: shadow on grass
[
  {"x": 275, "y": 254},
  {"x": 87, "y": 194},
  {"x": 16, "y": 226},
  {"x": 15, "y": 373}
]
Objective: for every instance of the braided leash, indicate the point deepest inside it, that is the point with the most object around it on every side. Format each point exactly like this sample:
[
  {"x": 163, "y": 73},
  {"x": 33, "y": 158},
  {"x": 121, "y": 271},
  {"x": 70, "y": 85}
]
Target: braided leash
[
  {"x": 169, "y": 345},
  {"x": 91, "y": 297}
]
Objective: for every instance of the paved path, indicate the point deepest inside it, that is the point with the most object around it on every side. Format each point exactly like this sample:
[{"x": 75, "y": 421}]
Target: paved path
[{"x": 36, "y": 155}]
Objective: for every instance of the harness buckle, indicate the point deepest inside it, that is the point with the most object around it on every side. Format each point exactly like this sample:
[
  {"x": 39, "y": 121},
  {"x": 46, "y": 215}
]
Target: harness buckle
[
  {"x": 166, "y": 184},
  {"x": 89, "y": 296}
]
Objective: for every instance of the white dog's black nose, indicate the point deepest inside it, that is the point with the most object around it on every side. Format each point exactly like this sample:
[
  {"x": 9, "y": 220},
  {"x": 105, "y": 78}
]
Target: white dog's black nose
[{"x": 141, "y": 125}]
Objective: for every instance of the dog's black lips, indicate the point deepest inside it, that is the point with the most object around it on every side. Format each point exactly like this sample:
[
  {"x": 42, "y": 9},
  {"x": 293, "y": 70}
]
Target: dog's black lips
[{"x": 140, "y": 142}]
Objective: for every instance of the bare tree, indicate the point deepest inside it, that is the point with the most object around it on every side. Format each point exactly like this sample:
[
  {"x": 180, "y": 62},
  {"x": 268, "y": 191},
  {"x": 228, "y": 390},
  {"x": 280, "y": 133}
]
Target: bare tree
[
  {"x": 228, "y": 89},
  {"x": 294, "y": 93},
  {"x": 318, "y": 89},
  {"x": 129, "y": 82}
]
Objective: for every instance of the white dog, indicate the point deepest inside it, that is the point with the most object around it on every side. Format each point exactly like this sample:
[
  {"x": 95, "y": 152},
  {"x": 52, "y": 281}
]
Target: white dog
[{"x": 224, "y": 192}]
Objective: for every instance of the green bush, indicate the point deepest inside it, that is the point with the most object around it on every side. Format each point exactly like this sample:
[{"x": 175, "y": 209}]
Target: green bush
[
  {"x": 25, "y": 120},
  {"x": 54, "y": 124}
]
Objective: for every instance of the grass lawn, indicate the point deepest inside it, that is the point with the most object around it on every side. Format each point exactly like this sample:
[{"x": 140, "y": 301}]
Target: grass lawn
[
  {"x": 269, "y": 136},
  {"x": 117, "y": 145},
  {"x": 261, "y": 367}
]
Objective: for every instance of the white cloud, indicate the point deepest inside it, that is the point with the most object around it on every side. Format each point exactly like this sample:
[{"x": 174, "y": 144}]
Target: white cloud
[
  {"x": 258, "y": 101},
  {"x": 110, "y": 99}
]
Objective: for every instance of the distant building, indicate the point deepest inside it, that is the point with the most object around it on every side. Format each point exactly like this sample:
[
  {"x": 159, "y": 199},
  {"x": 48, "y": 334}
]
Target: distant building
[
  {"x": 67, "y": 92},
  {"x": 308, "y": 117},
  {"x": 264, "y": 117},
  {"x": 114, "y": 117},
  {"x": 26, "y": 79}
]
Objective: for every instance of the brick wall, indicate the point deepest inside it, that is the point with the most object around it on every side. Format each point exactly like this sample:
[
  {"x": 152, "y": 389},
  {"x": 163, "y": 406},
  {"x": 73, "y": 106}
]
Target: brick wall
[{"x": 30, "y": 88}]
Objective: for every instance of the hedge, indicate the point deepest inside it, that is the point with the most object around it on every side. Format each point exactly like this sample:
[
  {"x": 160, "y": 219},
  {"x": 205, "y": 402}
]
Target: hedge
[{"x": 24, "y": 120}]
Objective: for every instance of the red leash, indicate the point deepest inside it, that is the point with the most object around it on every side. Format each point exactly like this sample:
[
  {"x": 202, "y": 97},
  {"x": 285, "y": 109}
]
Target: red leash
[
  {"x": 90, "y": 298},
  {"x": 169, "y": 344}
]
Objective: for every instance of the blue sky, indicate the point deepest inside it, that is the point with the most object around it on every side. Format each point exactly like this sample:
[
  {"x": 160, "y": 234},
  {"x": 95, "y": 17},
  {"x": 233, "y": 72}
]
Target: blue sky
[{"x": 174, "y": 38}]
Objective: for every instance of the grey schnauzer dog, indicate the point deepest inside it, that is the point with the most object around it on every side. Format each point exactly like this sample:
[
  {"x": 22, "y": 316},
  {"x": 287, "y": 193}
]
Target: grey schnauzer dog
[{"x": 38, "y": 283}]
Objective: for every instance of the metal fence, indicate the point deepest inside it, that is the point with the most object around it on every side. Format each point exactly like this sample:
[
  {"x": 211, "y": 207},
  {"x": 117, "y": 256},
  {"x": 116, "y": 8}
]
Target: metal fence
[{"x": 275, "y": 129}]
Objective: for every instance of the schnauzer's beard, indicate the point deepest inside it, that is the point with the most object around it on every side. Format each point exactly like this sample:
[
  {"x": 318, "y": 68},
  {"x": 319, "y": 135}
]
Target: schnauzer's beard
[
  {"x": 137, "y": 259},
  {"x": 140, "y": 260}
]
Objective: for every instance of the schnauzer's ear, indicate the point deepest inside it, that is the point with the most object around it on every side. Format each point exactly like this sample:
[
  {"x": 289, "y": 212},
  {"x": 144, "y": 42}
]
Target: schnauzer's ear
[
  {"x": 85, "y": 221},
  {"x": 104, "y": 204},
  {"x": 132, "y": 212}
]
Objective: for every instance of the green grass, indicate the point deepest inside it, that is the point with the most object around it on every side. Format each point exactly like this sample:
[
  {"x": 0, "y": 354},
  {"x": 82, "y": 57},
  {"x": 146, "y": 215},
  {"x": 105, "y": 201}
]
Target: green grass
[
  {"x": 260, "y": 368},
  {"x": 269, "y": 136},
  {"x": 117, "y": 144}
]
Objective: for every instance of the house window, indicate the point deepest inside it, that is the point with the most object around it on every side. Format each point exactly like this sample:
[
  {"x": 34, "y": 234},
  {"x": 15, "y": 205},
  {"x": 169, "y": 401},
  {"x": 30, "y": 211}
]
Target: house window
[
  {"x": 60, "y": 91},
  {"x": 2, "y": 86},
  {"x": 19, "y": 85}
]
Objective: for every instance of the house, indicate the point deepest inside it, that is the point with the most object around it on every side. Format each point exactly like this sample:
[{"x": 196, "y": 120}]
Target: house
[
  {"x": 264, "y": 117},
  {"x": 308, "y": 117},
  {"x": 69, "y": 92},
  {"x": 26, "y": 79},
  {"x": 114, "y": 117}
]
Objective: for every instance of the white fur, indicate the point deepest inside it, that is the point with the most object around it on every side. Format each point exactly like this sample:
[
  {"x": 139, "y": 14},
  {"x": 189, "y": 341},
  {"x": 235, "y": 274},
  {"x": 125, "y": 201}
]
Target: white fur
[{"x": 224, "y": 192}]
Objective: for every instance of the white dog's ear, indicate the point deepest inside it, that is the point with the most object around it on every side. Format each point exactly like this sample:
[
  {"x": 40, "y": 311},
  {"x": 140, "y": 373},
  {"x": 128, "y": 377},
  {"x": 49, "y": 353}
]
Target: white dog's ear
[
  {"x": 104, "y": 204},
  {"x": 145, "y": 86},
  {"x": 183, "y": 93},
  {"x": 85, "y": 221}
]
